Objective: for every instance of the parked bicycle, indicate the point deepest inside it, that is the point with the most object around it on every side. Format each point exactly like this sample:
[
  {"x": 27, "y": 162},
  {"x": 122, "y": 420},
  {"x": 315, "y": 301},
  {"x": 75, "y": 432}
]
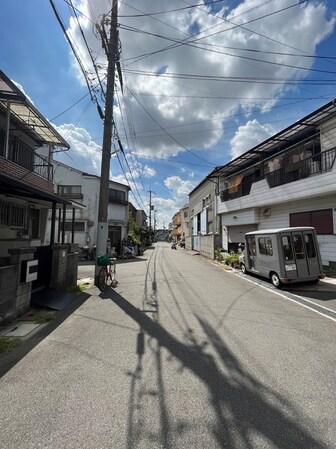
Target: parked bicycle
[{"x": 107, "y": 273}]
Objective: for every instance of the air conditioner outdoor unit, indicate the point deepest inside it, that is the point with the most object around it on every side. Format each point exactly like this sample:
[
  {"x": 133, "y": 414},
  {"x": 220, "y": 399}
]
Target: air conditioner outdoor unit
[{"x": 267, "y": 211}]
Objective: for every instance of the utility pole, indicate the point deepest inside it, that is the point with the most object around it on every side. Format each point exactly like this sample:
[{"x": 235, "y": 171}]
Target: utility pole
[
  {"x": 102, "y": 231},
  {"x": 150, "y": 214}
]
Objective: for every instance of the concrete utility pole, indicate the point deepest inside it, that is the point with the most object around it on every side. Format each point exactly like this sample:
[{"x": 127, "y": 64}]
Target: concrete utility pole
[
  {"x": 150, "y": 214},
  {"x": 102, "y": 231}
]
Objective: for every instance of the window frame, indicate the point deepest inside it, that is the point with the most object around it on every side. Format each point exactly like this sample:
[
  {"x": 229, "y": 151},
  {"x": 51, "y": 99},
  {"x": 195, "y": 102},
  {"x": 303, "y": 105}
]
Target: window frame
[{"x": 321, "y": 220}]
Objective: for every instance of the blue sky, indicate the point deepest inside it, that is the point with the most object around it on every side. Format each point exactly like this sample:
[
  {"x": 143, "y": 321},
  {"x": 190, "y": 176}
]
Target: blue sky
[{"x": 202, "y": 83}]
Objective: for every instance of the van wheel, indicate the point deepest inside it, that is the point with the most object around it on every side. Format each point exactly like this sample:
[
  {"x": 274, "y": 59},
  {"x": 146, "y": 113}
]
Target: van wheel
[
  {"x": 243, "y": 268},
  {"x": 275, "y": 280}
]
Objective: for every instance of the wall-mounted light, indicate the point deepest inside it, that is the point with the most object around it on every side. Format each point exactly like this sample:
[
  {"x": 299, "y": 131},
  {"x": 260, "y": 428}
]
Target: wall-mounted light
[{"x": 234, "y": 216}]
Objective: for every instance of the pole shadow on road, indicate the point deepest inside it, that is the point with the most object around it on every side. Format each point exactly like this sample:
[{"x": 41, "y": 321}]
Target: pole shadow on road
[{"x": 244, "y": 407}]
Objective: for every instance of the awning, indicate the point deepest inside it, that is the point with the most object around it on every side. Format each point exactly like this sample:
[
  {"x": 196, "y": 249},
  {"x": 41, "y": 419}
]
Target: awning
[
  {"x": 280, "y": 140},
  {"x": 11, "y": 186},
  {"x": 235, "y": 184},
  {"x": 28, "y": 116}
]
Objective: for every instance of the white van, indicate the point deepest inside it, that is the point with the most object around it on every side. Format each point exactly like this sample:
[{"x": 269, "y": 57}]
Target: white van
[{"x": 284, "y": 255}]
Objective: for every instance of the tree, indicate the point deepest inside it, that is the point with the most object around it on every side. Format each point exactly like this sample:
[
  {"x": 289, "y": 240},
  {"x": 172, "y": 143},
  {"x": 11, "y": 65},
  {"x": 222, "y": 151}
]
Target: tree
[{"x": 133, "y": 230}]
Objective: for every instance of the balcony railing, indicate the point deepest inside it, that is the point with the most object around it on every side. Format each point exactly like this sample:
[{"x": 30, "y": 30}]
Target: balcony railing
[
  {"x": 25, "y": 156},
  {"x": 319, "y": 163},
  {"x": 43, "y": 168},
  {"x": 313, "y": 165}
]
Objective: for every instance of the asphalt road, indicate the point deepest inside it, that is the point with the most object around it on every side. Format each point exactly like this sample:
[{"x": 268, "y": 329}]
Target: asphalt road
[{"x": 182, "y": 354}]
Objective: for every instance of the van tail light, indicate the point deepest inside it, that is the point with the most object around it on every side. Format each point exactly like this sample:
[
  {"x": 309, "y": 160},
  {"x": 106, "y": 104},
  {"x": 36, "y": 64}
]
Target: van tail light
[{"x": 321, "y": 276}]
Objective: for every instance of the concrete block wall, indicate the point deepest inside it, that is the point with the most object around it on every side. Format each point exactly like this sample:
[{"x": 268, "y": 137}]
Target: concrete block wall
[
  {"x": 14, "y": 294},
  {"x": 8, "y": 285},
  {"x": 23, "y": 289},
  {"x": 208, "y": 243},
  {"x": 64, "y": 265},
  {"x": 59, "y": 266}
]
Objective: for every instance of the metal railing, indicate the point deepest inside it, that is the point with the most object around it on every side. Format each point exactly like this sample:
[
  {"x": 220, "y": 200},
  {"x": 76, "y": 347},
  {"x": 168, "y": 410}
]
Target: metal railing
[
  {"x": 319, "y": 163},
  {"x": 26, "y": 157},
  {"x": 313, "y": 165}
]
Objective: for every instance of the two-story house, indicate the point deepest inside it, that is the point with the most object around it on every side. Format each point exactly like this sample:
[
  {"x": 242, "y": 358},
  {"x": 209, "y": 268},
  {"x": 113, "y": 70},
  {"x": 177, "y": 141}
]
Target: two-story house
[
  {"x": 74, "y": 184},
  {"x": 204, "y": 230},
  {"x": 287, "y": 180},
  {"x": 176, "y": 230},
  {"x": 27, "y": 261}
]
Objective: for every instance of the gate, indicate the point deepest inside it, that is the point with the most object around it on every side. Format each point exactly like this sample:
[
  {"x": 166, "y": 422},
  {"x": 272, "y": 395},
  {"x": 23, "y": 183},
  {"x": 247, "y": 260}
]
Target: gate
[{"x": 44, "y": 257}]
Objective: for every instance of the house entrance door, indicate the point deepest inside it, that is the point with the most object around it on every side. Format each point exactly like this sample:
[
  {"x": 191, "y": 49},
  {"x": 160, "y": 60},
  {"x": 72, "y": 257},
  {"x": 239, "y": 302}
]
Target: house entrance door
[{"x": 114, "y": 235}]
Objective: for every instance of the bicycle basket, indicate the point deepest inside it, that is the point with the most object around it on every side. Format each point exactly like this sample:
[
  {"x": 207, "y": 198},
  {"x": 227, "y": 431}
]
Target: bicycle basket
[{"x": 103, "y": 261}]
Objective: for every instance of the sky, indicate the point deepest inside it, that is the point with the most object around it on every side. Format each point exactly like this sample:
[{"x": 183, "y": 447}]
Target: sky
[{"x": 202, "y": 82}]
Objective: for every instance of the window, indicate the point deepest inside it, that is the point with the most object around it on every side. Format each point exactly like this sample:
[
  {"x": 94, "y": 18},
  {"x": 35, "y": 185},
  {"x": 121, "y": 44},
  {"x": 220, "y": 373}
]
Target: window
[
  {"x": 298, "y": 246},
  {"x": 13, "y": 215},
  {"x": 251, "y": 245},
  {"x": 70, "y": 191},
  {"x": 321, "y": 220},
  {"x": 310, "y": 247},
  {"x": 79, "y": 226},
  {"x": 287, "y": 247},
  {"x": 265, "y": 246},
  {"x": 117, "y": 196}
]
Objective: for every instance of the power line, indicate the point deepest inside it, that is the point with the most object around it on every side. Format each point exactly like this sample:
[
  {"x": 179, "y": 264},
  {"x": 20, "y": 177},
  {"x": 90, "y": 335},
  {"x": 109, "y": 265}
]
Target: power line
[
  {"x": 87, "y": 47},
  {"x": 166, "y": 132},
  {"x": 84, "y": 72},
  {"x": 168, "y": 11}
]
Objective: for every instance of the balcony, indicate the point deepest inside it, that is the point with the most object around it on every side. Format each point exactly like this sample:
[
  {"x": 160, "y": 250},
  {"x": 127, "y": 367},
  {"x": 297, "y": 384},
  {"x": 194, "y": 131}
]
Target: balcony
[
  {"x": 313, "y": 165},
  {"x": 26, "y": 157}
]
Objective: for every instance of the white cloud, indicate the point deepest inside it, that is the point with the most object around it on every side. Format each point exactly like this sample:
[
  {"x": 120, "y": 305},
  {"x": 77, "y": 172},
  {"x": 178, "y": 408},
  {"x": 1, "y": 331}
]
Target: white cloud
[
  {"x": 22, "y": 90},
  {"x": 82, "y": 148},
  {"x": 249, "y": 135},
  {"x": 197, "y": 123},
  {"x": 179, "y": 188},
  {"x": 148, "y": 172}
]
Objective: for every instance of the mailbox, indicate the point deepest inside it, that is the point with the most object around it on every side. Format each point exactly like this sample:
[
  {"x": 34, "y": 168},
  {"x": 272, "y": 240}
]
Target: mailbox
[{"x": 29, "y": 269}]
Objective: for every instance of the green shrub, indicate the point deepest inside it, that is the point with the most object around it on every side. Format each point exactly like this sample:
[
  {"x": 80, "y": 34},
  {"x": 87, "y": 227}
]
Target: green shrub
[
  {"x": 43, "y": 317},
  {"x": 232, "y": 259},
  {"x": 7, "y": 344},
  {"x": 218, "y": 253}
]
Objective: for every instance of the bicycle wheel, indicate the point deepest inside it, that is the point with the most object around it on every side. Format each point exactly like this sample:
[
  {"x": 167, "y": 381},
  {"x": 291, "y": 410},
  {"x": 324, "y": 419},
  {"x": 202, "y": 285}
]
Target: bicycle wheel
[
  {"x": 112, "y": 274},
  {"x": 102, "y": 278}
]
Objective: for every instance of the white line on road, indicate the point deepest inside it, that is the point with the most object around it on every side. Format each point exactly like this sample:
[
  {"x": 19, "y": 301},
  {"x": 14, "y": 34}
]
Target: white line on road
[{"x": 331, "y": 314}]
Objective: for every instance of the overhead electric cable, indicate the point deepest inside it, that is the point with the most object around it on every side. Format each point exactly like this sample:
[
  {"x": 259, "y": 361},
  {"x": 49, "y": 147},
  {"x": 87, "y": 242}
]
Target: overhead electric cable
[
  {"x": 167, "y": 11},
  {"x": 165, "y": 131},
  {"x": 87, "y": 48},
  {"x": 72, "y": 48},
  {"x": 248, "y": 58}
]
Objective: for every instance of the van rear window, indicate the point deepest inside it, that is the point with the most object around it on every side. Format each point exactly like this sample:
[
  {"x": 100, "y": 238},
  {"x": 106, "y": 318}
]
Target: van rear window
[
  {"x": 265, "y": 246},
  {"x": 287, "y": 247}
]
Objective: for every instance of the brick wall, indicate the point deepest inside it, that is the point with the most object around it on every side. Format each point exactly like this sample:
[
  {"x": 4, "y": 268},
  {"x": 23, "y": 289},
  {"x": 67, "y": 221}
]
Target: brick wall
[{"x": 21, "y": 173}]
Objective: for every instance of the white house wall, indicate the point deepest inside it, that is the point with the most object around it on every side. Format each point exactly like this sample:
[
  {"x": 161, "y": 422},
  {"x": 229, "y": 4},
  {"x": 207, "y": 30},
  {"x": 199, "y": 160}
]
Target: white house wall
[
  {"x": 117, "y": 214},
  {"x": 280, "y": 218}
]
